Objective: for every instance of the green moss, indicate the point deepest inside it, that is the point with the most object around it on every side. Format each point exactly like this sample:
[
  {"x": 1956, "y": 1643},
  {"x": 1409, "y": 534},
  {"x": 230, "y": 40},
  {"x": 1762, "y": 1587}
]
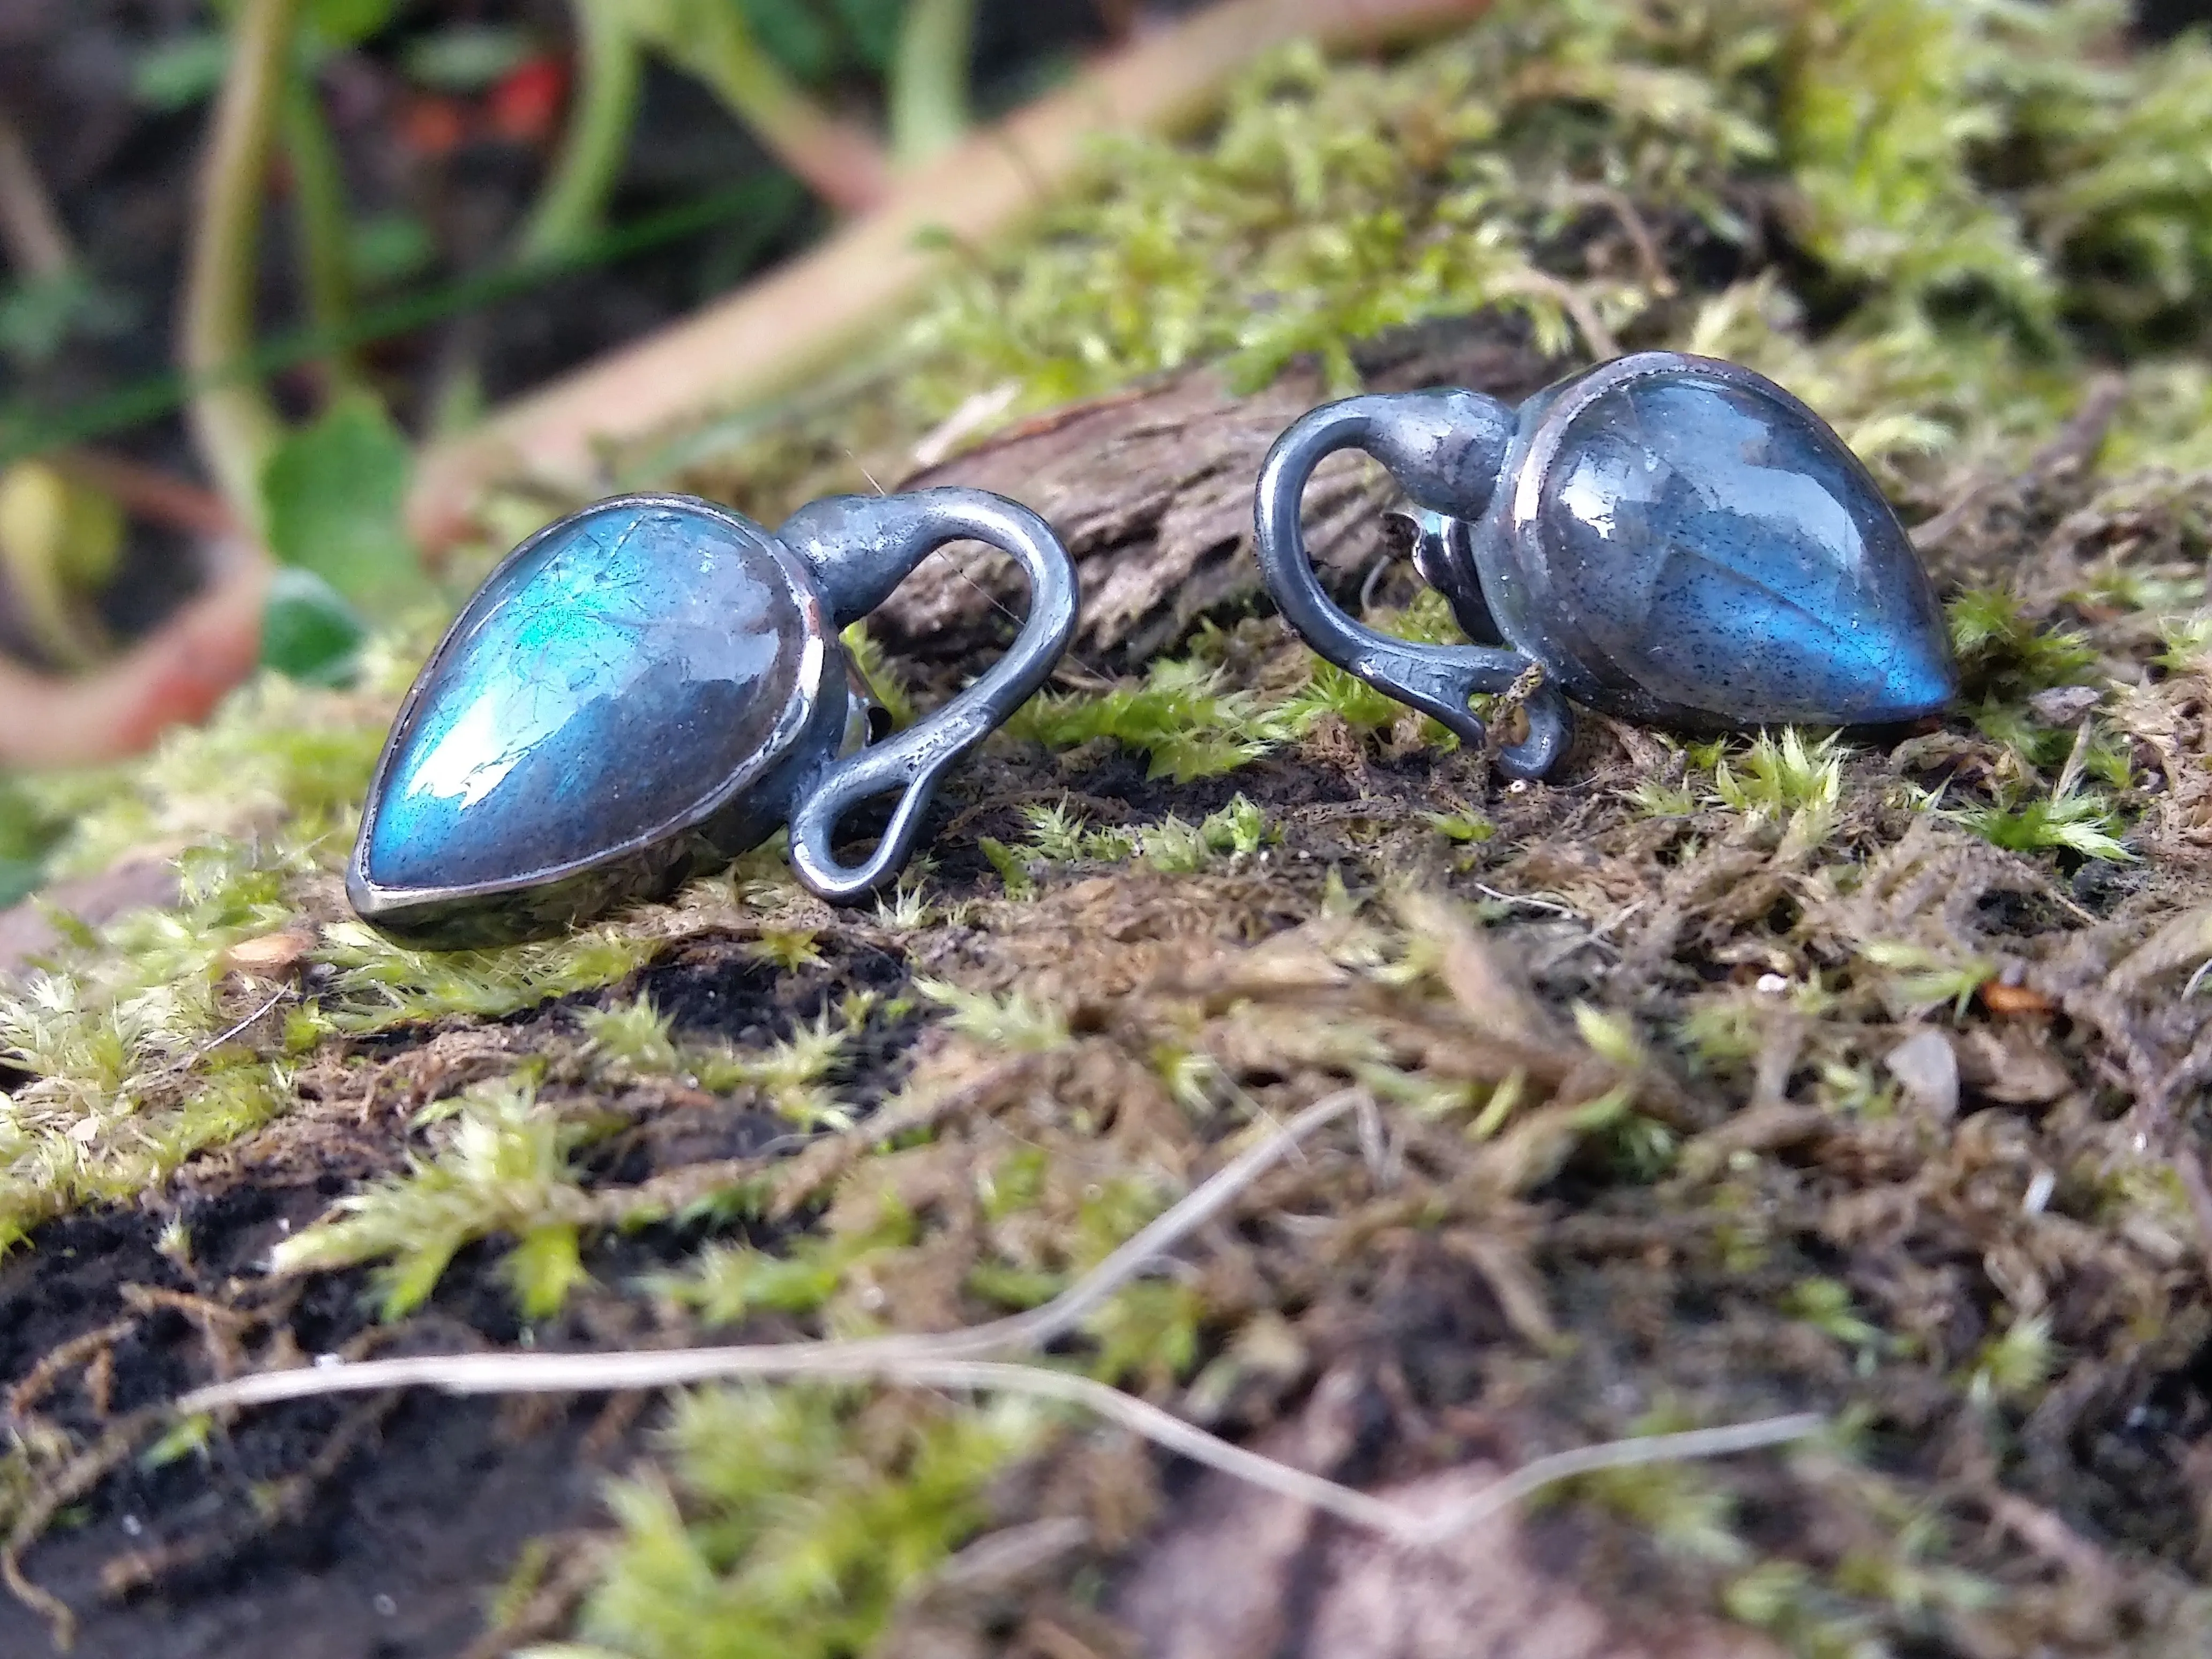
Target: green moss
[
  {"x": 1192, "y": 723},
  {"x": 1012, "y": 1022},
  {"x": 1057, "y": 834},
  {"x": 883, "y": 681},
  {"x": 30, "y": 824},
  {"x": 1685, "y": 1515},
  {"x": 1978, "y": 202},
  {"x": 122, "y": 1088},
  {"x": 2083, "y": 823},
  {"x": 503, "y": 1169},
  {"x": 1783, "y": 1598},
  {"x": 1984, "y": 193},
  {"x": 1147, "y": 1336},
  {"x": 1173, "y": 847},
  {"x": 1463, "y": 828},
  {"x": 125, "y": 1143},
  {"x": 789, "y": 1076},
  {"x": 1920, "y": 977},
  {"x": 905, "y": 907},
  {"x": 632, "y": 1036},
  {"x": 1783, "y": 777},
  {"x": 726, "y": 1284},
  {"x": 274, "y": 754},
  {"x": 630, "y": 1039},
  {"x": 1013, "y": 874},
  {"x": 1183, "y": 716},
  {"x": 1329, "y": 205},
  {"x": 1331, "y": 690},
  {"x": 2039, "y": 746},
  {"x": 2003, "y": 656},
  {"x": 1826, "y": 1306},
  {"x": 787, "y": 948},
  {"x": 2015, "y": 1365},
  {"x": 1177, "y": 849},
  {"x": 381, "y": 983},
  {"x": 795, "y": 1519}
]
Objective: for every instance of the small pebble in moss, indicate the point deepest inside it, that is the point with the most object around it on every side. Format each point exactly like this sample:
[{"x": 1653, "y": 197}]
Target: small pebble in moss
[{"x": 1925, "y": 1065}]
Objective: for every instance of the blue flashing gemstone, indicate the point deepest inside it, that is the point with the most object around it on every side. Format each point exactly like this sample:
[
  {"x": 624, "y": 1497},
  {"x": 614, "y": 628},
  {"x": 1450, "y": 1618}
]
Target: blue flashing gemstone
[
  {"x": 603, "y": 687},
  {"x": 1696, "y": 541}
]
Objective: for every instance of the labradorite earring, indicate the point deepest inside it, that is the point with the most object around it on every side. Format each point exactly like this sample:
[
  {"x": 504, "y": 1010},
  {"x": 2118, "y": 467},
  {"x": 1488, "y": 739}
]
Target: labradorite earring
[
  {"x": 1672, "y": 539},
  {"x": 653, "y": 685}
]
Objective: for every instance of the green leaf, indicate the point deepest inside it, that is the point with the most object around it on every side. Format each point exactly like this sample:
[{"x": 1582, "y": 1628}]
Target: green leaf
[
  {"x": 874, "y": 28},
  {"x": 333, "y": 492},
  {"x": 347, "y": 23},
  {"x": 389, "y": 248},
  {"x": 28, "y": 830},
  {"x": 792, "y": 32},
  {"x": 19, "y": 877},
  {"x": 39, "y": 317},
  {"x": 465, "y": 57},
  {"x": 181, "y": 71},
  {"x": 308, "y": 631}
]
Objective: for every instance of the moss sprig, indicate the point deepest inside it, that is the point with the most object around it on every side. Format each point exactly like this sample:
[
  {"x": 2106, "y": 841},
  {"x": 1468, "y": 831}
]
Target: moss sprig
[{"x": 503, "y": 1169}]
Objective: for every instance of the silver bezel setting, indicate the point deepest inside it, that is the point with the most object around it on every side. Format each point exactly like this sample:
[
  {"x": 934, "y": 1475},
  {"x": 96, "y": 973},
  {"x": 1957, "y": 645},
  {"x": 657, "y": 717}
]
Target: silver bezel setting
[{"x": 427, "y": 906}]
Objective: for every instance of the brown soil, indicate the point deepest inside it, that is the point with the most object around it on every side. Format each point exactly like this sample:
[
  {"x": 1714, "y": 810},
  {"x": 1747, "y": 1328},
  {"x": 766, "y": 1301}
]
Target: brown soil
[
  {"x": 1412, "y": 1305},
  {"x": 1559, "y": 1290}
]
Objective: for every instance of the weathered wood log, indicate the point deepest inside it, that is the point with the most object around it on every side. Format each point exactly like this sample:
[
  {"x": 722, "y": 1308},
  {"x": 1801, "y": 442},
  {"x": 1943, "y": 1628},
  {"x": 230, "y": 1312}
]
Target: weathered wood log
[{"x": 1151, "y": 490}]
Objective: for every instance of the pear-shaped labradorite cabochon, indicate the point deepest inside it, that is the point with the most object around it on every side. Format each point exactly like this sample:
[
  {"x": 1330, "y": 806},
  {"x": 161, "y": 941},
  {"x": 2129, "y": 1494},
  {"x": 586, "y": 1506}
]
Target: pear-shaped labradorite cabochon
[
  {"x": 607, "y": 682},
  {"x": 1693, "y": 542}
]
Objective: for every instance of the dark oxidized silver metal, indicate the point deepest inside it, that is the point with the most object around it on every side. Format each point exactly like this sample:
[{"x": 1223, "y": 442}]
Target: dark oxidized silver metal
[
  {"x": 1672, "y": 539},
  {"x": 518, "y": 794}
]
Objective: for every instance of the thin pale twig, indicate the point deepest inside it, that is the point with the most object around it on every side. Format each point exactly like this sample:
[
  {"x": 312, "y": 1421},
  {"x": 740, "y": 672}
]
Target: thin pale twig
[
  {"x": 2070, "y": 773},
  {"x": 1602, "y": 342},
  {"x": 951, "y": 1361},
  {"x": 1026, "y": 1332},
  {"x": 1650, "y": 261},
  {"x": 537, "y": 1373},
  {"x": 1532, "y": 903},
  {"x": 1065, "y": 1312},
  {"x": 204, "y": 1049},
  {"x": 1531, "y": 1477},
  {"x": 37, "y": 242},
  {"x": 545, "y": 1373}
]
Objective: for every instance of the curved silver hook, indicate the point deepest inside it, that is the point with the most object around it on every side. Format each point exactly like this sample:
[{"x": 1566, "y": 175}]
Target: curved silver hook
[
  {"x": 860, "y": 547},
  {"x": 1444, "y": 448}
]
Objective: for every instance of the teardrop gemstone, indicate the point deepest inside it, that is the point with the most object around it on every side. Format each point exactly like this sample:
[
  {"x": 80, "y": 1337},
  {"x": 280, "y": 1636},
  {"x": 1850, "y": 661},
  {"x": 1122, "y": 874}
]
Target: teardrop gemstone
[
  {"x": 1702, "y": 543},
  {"x": 605, "y": 685}
]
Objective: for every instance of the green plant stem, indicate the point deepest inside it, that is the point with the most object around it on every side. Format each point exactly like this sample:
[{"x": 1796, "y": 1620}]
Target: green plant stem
[
  {"x": 929, "y": 106},
  {"x": 841, "y": 163},
  {"x": 573, "y": 204},
  {"x": 764, "y": 205},
  {"x": 319, "y": 201},
  {"x": 232, "y": 422},
  {"x": 794, "y": 322}
]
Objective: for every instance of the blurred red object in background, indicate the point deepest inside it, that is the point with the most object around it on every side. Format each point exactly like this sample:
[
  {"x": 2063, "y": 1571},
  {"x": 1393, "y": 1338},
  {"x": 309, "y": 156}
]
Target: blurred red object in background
[
  {"x": 432, "y": 124},
  {"x": 176, "y": 675},
  {"x": 524, "y": 105}
]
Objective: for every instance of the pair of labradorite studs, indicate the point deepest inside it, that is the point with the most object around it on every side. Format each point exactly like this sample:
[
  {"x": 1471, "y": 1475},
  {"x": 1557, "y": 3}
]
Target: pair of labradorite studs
[{"x": 653, "y": 685}]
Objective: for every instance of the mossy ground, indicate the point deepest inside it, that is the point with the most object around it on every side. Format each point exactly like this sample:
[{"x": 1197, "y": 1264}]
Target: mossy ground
[{"x": 1638, "y": 1153}]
